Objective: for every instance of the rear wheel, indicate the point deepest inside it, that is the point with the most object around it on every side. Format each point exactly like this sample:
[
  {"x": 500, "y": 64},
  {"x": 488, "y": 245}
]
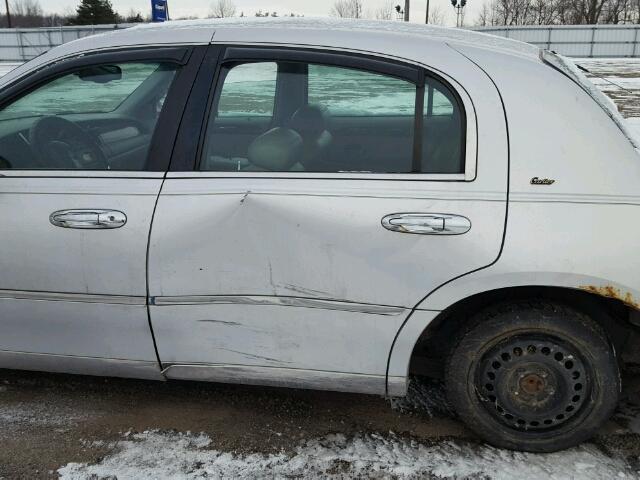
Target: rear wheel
[{"x": 533, "y": 376}]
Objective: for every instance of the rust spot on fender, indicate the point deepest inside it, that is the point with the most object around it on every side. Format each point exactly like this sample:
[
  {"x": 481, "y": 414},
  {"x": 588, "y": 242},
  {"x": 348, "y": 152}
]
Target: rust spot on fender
[{"x": 612, "y": 292}]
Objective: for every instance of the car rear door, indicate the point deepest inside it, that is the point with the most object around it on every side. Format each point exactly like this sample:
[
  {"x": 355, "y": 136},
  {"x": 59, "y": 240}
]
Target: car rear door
[
  {"x": 84, "y": 146},
  {"x": 291, "y": 243}
]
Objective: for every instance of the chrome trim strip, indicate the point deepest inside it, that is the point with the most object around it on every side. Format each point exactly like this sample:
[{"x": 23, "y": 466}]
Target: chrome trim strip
[
  {"x": 206, "y": 174},
  {"x": 94, "y": 174},
  {"x": 73, "y": 297},
  {"x": 185, "y": 186},
  {"x": 278, "y": 377},
  {"x": 279, "y": 301},
  {"x": 549, "y": 197}
]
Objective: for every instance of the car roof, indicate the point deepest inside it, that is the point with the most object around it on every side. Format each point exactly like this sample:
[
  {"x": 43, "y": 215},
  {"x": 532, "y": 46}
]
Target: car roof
[
  {"x": 387, "y": 36},
  {"x": 358, "y": 27}
]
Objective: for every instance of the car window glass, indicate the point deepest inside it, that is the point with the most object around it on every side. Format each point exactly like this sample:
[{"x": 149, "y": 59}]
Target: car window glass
[
  {"x": 249, "y": 90},
  {"x": 443, "y": 135},
  {"x": 437, "y": 103},
  {"x": 350, "y": 92},
  {"x": 96, "y": 118},
  {"x": 298, "y": 117},
  {"x": 71, "y": 94}
]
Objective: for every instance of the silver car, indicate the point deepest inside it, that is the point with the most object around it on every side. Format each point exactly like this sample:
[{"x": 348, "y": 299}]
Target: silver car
[{"x": 328, "y": 205}]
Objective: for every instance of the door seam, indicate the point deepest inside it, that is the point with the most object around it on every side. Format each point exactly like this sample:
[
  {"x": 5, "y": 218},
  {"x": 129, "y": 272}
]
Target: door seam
[{"x": 504, "y": 233}]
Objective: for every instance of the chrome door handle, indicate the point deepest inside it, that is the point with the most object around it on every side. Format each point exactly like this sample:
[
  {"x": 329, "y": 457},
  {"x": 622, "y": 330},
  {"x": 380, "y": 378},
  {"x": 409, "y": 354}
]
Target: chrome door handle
[
  {"x": 427, "y": 223},
  {"x": 91, "y": 218}
]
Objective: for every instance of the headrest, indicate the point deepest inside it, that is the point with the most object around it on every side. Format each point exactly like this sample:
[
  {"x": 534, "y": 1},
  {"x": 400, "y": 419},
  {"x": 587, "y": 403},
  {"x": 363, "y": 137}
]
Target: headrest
[
  {"x": 310, "y": 120},
  {"x": 276, "y": 150}
]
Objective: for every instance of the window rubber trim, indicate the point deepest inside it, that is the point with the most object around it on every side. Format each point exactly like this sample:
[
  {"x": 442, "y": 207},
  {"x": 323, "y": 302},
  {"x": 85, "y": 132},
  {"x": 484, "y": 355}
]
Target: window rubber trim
[{"x": 303, "y": 55}]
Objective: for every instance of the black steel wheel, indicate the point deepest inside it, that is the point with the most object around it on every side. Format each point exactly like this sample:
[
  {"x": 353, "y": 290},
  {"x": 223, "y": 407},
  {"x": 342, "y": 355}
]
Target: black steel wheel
[{"x": 533, "y": 376}]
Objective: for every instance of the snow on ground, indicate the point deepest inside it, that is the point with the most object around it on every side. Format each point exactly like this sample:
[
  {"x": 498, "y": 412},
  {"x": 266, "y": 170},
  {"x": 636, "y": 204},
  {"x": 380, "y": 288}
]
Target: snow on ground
[
  {"x": 188, "y": 456},
  {"x": 16, "y": 416},
  {"x": 619, "y": 78},
  {"x": 160, "y": 455}
]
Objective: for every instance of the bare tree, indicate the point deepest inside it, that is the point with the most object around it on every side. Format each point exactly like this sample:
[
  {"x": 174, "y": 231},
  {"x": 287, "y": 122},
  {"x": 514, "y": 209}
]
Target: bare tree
[
  {"x": 27, "y": 13},
  {"x": 485, "y": 16},
  {"x": 222, "y": 9},
  {"x": 544, "y": 12},
  {"x": 616, "y": 11},
  {"x": 134, "y": 16},
  {"x": 438, "y": 16},
  {"x": 386, "y": 11},
  {"x": 554, "y": 12},
  {"x": 588, "y": 11},
  {"x": 347, "y": 8}
]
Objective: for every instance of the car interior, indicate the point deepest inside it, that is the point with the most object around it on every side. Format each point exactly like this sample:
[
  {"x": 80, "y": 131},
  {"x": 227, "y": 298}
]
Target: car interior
[
  {"x": 98, "y": 118},
  {"x": 298, "y": 133}
]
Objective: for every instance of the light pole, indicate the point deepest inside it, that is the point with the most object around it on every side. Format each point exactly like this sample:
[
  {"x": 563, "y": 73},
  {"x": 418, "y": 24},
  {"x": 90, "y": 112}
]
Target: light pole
[
  {"x": 459, "y": 5},
  {"x": 6, "y": 2},
  {"x": 427, "y": 19},
  {"x": 407, "y": 8},
  {"x": 399, "y": 13}
]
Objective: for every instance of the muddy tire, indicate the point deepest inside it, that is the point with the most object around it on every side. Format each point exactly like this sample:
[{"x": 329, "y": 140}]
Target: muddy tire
[{"x": 534, "y": 376}]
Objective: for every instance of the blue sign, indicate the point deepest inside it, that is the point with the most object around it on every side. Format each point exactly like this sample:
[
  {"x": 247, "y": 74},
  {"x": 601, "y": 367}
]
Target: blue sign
[{"x": 159, "y": 10}]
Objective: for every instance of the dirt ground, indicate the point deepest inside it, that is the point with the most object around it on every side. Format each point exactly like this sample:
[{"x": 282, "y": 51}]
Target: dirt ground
[{"x": 48, "y": 420}]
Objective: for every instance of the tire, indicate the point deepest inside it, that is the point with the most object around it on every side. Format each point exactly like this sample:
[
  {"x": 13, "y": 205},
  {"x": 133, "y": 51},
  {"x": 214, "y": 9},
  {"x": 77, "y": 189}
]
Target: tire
[{"x": 534, "y": 376}]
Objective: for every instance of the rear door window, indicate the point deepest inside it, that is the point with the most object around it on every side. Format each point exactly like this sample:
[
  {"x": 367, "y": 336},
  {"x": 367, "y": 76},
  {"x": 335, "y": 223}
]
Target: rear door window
[
  {"x": 309, "y": 117},
  {"x": 249, "y": 91},
  {"x": 354, "y": 93}
]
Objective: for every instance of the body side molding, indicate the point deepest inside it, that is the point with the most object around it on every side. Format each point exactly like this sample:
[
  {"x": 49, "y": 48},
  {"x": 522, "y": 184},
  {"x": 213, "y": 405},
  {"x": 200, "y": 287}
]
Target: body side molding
[{"x": 73, "y": 297}]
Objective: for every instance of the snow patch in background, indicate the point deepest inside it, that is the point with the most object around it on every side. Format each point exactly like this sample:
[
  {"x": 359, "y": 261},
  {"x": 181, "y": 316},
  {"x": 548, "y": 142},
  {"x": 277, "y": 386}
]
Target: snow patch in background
[
  {"x": 157, "y": 455},
  {"x": 570, "y": 69}
]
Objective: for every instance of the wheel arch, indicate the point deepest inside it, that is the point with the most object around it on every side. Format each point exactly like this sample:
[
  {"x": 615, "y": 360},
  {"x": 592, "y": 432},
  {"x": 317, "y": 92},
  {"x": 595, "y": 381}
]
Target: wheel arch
[{"x": 426, "y": 335}]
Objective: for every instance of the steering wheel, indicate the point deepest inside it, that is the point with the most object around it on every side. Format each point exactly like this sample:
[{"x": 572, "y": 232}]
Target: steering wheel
[{"x": 62, "y": 144}]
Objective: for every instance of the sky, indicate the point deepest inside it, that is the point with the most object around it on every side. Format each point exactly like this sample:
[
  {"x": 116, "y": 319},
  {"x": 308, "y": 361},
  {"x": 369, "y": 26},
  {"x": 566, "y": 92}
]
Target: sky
[{"x": 181, "y": 8}]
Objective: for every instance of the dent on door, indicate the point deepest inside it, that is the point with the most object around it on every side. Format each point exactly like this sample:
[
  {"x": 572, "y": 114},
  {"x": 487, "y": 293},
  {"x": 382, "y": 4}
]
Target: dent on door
[{"x": 266, "y": 287}]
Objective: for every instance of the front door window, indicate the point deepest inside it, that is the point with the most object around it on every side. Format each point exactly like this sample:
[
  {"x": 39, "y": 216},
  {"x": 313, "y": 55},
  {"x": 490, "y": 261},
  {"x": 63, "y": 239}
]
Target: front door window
[{"x": 95, "y": 118}]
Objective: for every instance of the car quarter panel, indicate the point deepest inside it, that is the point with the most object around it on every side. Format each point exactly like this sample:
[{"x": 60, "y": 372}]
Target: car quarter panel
[
  {"x": 587, "y": 235},
  {"x": 578, "y": 230}
]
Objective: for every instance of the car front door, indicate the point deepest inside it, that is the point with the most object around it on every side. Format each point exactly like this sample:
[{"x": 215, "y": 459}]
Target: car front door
[
  {"x": 83, "y": 149},
  {"x": 329, "y": 194}
]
